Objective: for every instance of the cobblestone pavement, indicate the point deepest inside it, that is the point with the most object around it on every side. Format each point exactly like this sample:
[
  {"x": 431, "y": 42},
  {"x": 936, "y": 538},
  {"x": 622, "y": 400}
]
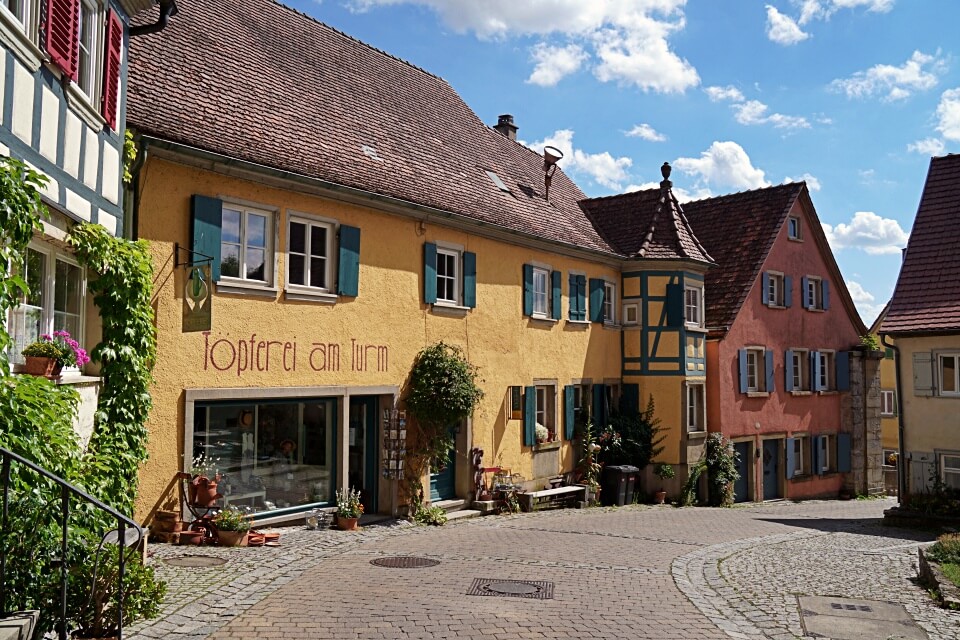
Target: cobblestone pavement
[{"x": 633, "y": 572}]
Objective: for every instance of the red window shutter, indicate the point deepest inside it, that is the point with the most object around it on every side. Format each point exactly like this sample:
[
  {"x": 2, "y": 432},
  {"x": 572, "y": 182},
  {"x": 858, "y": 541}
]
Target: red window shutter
[
  {"x": 62, "y": 35},
  {"x": 111, "y": 70}
]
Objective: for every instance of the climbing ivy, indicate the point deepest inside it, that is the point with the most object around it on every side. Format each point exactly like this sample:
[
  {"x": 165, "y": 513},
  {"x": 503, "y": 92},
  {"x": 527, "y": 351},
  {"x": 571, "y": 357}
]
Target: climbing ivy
[{"x": 122, "y": 289}]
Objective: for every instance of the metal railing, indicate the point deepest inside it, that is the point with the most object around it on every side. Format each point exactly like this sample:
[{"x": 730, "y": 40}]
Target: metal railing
[{"x": 124, "y": 524}]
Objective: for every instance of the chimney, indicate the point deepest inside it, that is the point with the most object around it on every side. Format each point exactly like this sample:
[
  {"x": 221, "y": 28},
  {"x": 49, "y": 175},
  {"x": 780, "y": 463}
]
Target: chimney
[{"x": 506, "y": 127}]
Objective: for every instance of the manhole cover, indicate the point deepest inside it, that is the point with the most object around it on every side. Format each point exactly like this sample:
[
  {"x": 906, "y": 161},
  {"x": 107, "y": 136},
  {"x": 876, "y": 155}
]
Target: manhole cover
[
  {"x": 534, "y": 589},
  {"x": 853, "y": 619},
  {"x": 405, "y": 562},
  {"x": 195, "y": 561}
]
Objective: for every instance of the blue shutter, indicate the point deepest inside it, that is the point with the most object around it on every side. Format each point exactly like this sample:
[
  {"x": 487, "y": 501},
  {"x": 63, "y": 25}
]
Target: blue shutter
[
  {"x": 765, "y": 288},
  {"x": 556, "y": 294},
  {"x": 788, "y": 370},
  {"x": 596, "y": 300},
  {"x": 805, "y": 292},
  {"x": 815, "y": 371},
  {"x": 529, "y": 416},
  {"x": 348, "y": 270},
  {"x": 768, "y": 357},
  {"x": 429, "y": 272},
  {"x": 743, "y": 370},
  {"x": 573, "y": 299},
  {"x": 469, "y": 279},
  {"x": 630, "y": 398},
  {"x": 787, "y": 291},
  {"x": 843, "y": 453},
  {"x": 791, "y": 458},
  {"x": 825, "y": 293},
  {"x": 581, "y": 298},
  {"x": 843, "y": 370},
  {"x": 815, "y": 455},
  {"x": 206, "y": 217},
  {"x": 675, "y": 305},
  {"x": 599, "y": 406},
  {"x": 528, "y": 289},
  {"x": 569, "y": 416}
]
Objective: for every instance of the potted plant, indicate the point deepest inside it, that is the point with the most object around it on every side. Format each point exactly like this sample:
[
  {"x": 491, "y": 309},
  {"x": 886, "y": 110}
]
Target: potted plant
[
  {"x": 232, "y": 527},
  {"x": 203, "y": 485},
  {"x": 665, "y": 472},
  {"x": 51, "y": 353},
  {"x": 588, "y": 467},
  {"x": 349, "y": 509}
]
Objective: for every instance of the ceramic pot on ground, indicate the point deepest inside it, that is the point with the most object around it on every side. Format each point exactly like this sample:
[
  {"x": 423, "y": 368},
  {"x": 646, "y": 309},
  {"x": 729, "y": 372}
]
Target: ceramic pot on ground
[
  {"x": 191, "y": 537},
  {"x": 347, "y": 524},
  {"x": 232, "y": 538},
  {"x": 40, "y": 366},
  {"x": 660, "y": 496}
]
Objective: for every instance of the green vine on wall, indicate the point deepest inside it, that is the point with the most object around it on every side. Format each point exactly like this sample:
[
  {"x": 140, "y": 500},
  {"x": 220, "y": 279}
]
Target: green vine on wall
[
  {"x": 443, "y": 391},
  {"x": 122, "y": 290}
]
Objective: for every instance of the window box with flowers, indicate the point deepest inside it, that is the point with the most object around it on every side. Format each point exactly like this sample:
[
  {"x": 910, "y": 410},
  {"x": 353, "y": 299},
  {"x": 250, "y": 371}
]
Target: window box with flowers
[{"x": 51, "y": 353}]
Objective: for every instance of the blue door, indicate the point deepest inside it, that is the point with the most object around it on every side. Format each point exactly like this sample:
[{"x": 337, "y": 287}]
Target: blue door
[
  {"x": 771, "y": 469},
  {"x": 362, "y": 468},
  {"x": 442, "y": 483},
  {"x": 741, "y": 488}
]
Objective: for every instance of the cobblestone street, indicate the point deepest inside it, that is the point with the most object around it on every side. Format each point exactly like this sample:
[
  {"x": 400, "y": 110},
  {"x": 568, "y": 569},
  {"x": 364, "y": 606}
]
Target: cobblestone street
[{"x": 633, "y": 572}]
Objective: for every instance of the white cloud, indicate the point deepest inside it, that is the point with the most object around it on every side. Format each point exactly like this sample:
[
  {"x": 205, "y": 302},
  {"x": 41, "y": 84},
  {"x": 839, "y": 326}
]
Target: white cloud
[
  {"x": 602, "y": 167},
  {"x": 869, "y": 232},
  {"x": 627, "y": 40},
  {"x": 553, "y": 63},
  {"x": 646, "y": 132},
  {"x": 865, "y": 301},
  {"x": 783, "y": 29},
  {"x": 729, "y": 92},
  {"x": 754, "y": 112},
  {"x": 823, "y": 9},
  {"x": 927, "y": 147},
  {"x": 949, "y": 113},
  {"x": 724, "y": 164},
  {"x": 813, "y": 184},
  {"x": 919, "y": 73}
]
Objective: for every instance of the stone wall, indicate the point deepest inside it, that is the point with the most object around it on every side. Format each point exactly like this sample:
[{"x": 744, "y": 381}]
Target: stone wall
[{"x": 861, "y": 418}]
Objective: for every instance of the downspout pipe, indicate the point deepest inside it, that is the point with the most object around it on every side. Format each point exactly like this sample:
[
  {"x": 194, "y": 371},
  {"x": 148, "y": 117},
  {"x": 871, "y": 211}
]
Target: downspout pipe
[
  {"x": 168, "y": 9},
  {"x": 901, "y": 454},
  {"x": 134, "y": 205}
]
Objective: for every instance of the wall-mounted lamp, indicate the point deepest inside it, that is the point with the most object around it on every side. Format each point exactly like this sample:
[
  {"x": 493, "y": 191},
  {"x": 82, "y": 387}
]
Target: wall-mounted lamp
[{"x": 551, "y": 156}]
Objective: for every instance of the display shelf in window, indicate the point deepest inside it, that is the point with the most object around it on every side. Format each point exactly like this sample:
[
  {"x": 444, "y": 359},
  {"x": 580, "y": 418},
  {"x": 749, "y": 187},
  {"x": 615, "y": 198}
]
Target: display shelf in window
[{"x": 394, "y": 443}]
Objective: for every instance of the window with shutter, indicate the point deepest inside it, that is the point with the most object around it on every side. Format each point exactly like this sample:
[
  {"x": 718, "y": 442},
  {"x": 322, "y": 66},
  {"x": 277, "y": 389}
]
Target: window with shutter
[
  {"x": 111, "y": 70},
  {"x": 348, "y": 273},
  {"x": 62, "y": 35},
  {"x": 596, "y": 299},
  {"x": 205, "y": 220},
  {"x": 923, "y": 374}
]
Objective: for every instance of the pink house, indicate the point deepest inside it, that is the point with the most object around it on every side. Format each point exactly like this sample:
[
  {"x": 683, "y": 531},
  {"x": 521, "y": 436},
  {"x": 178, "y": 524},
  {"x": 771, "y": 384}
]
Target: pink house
[{"x": 782, "y": 330}]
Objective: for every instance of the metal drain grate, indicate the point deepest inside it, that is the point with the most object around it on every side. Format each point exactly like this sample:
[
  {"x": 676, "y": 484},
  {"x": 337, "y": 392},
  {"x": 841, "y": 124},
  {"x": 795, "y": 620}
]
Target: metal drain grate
[
  {"x": 405, "y": 562},
  {"x": 196, "y": 562},
  {"x": 854, "y": 619},
  {"x": 531, "y": 589},
  {"x": 850, "y": 607}
]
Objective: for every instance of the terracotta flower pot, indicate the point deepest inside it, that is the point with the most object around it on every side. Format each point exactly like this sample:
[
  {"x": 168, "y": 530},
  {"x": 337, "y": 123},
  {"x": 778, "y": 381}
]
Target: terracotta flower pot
[
  {"x": 43, "y": 367},
  {"x": 232, "y": 538},
  {"x": 191, "y": 537},
  {"x": 203, "y": 491},
  {"x": 660, "y": 496},
  {"x": 347, "y": 524}
]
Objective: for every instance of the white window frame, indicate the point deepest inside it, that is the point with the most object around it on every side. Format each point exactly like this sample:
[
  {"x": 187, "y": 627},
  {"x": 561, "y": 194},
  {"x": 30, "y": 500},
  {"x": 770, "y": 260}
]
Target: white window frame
[
  {"x": 828, "y": 374},
  {"x": 541, "y": 296},
  {"x": 801, "y": 370},
  {"x": 776, "y": 292},
  {"x": 329, "y": 258},
  {"x": 941, "y": 357},
  {"x": 695, "y": 306},
  {"x": 695, "y": 407},
  {"x": 631, "y": 313},
  {"x": 48, "y": 300},
  {"x": 88, "y": 76},
  {"x": 612, "y": 396},
  {"x": 824, "y": 457},
  {"x": 801, "y": 455},
  {"x": 22, "y": 15},
  {"x": 609, "y": 302},
  {"x": 457, "y": 262},
  {"x": 269, "y": 245},
  {"x": 887, "y": 402},
  {"x": 951, "y": 471},
  {"x": 815, "y": 287},
  {"x": 758, "y": 357},
  {"x": 546, "y": 409},
  {"x": 794, "y": 222}
]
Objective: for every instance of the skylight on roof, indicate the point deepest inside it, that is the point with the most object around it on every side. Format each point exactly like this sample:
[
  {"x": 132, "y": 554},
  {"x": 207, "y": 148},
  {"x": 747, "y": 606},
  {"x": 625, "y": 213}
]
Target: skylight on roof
[
  {"x": 495, "y": 179},
  {"x": 370, "y": 152}
]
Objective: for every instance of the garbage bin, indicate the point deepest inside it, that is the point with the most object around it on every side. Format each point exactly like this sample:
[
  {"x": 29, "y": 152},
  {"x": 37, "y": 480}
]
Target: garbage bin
[
  {"x": 613, "y": 486},
  {"x": 633, "y": 478}
]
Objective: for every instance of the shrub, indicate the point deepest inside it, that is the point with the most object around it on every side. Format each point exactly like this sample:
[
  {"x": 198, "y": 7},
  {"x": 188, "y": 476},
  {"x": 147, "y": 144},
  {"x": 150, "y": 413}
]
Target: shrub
[
  {"x": 430, "y": 515},
  {"x": 631, "y": 438},
  {"x": 230, "y": 519},
  {"x": 946, "y": 550}
]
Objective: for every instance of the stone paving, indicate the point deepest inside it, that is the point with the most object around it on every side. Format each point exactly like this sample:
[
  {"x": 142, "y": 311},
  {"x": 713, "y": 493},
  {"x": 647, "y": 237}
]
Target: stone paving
[{"x": 633, "y": 572}]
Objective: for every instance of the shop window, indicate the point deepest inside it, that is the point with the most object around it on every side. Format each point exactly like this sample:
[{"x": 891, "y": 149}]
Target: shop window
[
  {"x": 696, "y": 412},
  {"x": 246, "y": 244}
]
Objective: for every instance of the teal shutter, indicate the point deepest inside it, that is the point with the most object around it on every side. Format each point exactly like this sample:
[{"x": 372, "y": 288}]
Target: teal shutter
[
  {"x": 596, "y": 300},
  {"x": 743, "y": 370},
  {"x": 528, "y": 289},
  {"x": 674, "y": 305},
  {"x": 843, "y": 370},
  {"x": 788, "y": 370},
  {"x": 630, "y": 399},
  {"x": 787, "y": 291},
  {"x": 825, "y": 293},
  {"x": 469, "y": 279},
  {"x": 888, "y": 353},
  {"x": 206, "y": 216},
  {"x": 599, "y": 413},
  {"x": 844, "y": 458},
  {"x": 573, "y": 298},
  {"x": 581, "y": 298},
  {"x": 529, "y": 416},
  {"x": 791, "y": 458},
  {"x": 348, "y": 276},
  {"x": 556, "y": 294},
  {"x": 429, "y": 272},
  {"x": 768, "y": 362},
  {"x": 765, "y": 288},
  {"x": 569, "y": 417}
]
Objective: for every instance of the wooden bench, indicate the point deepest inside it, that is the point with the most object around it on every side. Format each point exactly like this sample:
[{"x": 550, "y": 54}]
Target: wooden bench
[{"x": 557, "y": 498}]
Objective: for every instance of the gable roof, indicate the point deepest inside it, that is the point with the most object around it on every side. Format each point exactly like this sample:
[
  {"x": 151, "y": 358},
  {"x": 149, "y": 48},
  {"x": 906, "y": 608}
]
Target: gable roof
[
  {"x": 646, "y": 224},
  {"x": 257, "y": 81},
  {"x": 927, "y": 295}
]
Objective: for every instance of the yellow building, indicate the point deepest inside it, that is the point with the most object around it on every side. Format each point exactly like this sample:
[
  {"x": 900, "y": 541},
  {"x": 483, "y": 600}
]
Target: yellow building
[
  {"x": 315, "y": 224},
  {"x": 889, "y": 413}
]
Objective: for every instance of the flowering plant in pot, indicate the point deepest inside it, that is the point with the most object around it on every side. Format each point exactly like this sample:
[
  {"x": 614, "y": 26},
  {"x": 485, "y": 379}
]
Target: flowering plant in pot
[
  {"x": 663, "y": 471},
  {"x": 349, "y": 509},
  {"x": 541, "y": 432},
  {"x": 232, "y": 527},
  {"x": 203, "y": 486},
  {"x": 51, "y": 353}
]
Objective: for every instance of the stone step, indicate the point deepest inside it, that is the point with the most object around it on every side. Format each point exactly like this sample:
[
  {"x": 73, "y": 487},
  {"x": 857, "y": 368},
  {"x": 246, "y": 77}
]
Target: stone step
[
  {"x": 19, "y": 625},
  {"x": 450, "y": 506},
  {"x": 462, "y": 514}
]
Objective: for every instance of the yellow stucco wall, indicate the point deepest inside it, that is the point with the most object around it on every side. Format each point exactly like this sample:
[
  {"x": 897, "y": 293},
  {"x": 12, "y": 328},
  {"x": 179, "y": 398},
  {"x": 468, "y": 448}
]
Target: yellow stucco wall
[
  {"x": 889, "y": 425},
  {"x": 930, "y": 422},
  {"x": 509, "y": 349}
]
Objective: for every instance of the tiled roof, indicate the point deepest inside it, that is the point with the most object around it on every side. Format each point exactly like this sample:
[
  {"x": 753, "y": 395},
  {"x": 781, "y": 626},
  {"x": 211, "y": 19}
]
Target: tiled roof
[
  {"x": 257, "y": 81},
  {"x": 738, "y": 230},
  {"x": 927, "y": 296},
  {"x": 646, "y": 224}
]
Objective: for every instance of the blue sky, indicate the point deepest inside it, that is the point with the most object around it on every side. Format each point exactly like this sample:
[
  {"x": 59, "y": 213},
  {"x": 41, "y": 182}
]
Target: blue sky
[{"x": 852, "y": 95}]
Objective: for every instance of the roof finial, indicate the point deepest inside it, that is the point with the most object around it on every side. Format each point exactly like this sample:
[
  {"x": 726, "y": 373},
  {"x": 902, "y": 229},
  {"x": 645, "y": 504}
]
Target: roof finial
[{"x": 665, "y": 172}]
